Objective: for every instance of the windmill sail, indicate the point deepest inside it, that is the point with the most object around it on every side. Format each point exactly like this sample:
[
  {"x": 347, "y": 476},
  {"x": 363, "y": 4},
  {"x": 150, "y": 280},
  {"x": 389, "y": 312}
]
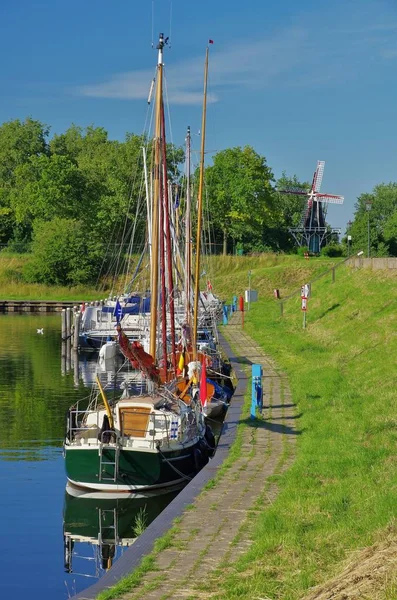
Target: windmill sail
[{"x": 314, "y": 231}]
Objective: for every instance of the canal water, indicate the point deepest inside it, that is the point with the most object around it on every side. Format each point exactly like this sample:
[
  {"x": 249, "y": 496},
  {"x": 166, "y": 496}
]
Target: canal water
[{"x": 49, "y": 536}]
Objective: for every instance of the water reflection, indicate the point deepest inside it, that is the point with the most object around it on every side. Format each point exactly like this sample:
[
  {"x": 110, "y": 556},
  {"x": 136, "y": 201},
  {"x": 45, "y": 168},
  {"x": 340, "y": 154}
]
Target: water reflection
[{"x": 98, "y": 527}]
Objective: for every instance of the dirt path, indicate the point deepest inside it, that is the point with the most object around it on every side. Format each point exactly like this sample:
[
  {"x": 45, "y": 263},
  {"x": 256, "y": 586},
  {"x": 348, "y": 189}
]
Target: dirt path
[{"x": 216, "y": 530}]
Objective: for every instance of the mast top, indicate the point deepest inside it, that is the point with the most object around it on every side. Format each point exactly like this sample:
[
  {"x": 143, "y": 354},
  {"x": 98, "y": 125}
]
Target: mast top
[{"x": 162, "y": 42}]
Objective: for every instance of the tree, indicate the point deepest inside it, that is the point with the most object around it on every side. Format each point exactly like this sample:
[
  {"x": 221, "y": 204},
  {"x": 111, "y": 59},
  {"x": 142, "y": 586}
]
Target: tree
[
  {"x": 62, "y": 253},
  {"x": 45, "y": 187},
  {"x": 381, "y": 219},
  {"x": 20, "y": 141},
  {"x": 239, "y": 186},
  {"x": 287, "y": 213}
]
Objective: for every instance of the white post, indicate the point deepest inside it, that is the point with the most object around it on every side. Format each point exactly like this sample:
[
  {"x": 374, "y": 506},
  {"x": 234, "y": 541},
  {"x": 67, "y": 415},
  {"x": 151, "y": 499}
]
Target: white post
[{"x": 249, "y": 288}]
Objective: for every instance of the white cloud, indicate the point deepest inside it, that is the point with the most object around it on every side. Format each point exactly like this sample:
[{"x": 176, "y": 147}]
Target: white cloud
[
  {"x": 305, "y": 56},
  {"x": 247, "y": 64}
]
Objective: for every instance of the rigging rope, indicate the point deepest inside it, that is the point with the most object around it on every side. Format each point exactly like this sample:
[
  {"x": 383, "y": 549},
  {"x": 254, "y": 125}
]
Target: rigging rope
[{"x": 152, "y": 23}]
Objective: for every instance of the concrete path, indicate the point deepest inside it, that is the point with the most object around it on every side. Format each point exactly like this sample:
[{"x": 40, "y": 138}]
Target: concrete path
[{"x": 217, "y": 528}]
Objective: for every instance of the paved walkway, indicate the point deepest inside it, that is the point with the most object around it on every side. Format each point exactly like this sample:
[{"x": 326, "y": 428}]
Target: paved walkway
[{"x": 217, "y": 528}]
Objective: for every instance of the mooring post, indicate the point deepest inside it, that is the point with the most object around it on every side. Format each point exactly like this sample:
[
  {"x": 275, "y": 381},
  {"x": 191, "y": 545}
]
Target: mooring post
[
  {"x": 76, "y": 330},
  {"x": 63, "y": 320},
  {"x": 68, "y": 322},
  {"x": 68, "y": 355},
  {"x": 63, "y": 357},
  {"x": 75, "y": 363},
  {"x": 257, "y": 393}
]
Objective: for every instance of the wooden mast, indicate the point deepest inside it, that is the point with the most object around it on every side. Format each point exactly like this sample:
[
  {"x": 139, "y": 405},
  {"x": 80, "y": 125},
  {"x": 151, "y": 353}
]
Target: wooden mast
[
  {"x": 156, "y": 200},
  {"x": 188, "y": 234},
  {"x": 199, "y": 212},
  {"x": 166, "y": 221}
]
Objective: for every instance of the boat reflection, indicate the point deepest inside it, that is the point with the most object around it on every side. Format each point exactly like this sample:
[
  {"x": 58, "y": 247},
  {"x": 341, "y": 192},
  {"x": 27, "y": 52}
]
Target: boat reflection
[{"x": 98, "y": 527}]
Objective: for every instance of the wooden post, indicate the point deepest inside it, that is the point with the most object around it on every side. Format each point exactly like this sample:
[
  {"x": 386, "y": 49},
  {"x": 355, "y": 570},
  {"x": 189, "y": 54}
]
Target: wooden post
[
  {"x": 333, "y": 275},
  {"x": 76, "y": 330},
  {"x": 63, "y": 356},
  {"x": 63, "y": 319},
  {"x": 68, "y": 322},
  {"x": 75, "y": 362},
  {"x": 68, "y": 355}
]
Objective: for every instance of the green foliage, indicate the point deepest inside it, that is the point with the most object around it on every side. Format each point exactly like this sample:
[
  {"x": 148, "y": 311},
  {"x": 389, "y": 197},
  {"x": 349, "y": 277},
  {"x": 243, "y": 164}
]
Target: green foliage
[
  {"x": 332, "y": 250},
  {"x": 46, "y": 186},
  {"x": 290, "y": 207},
  {"x": 380, "y": 221},
  {"x": 239, "y": 186},
  {"x": 302, "y": 250},
  {"x": 82, "y": 175},
  {"x": 61, "y": 253},
  {"x": 20, "y": 142}
]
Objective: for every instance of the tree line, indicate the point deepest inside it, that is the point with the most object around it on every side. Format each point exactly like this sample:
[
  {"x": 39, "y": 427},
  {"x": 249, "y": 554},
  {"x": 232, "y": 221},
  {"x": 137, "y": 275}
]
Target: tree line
[{"x": 72, "y": 199}]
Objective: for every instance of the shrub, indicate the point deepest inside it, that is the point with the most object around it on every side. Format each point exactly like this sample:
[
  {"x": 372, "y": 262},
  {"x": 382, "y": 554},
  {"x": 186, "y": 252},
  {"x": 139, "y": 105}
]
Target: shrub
[
  {"x": 61, "y": 254},
  {"x": 332, "y": 250},
  {"x": 302, "y": 250}
]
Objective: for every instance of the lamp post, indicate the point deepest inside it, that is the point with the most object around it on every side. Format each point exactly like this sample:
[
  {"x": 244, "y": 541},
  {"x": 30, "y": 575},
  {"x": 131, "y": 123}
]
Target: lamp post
[
  {"x": 368, "y": 207},
  {"x": 349, "y": 238}
]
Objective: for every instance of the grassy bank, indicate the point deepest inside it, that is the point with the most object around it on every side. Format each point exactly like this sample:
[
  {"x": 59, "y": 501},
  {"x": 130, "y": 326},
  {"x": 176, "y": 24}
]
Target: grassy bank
[
  {"x": 340, "y": 494},
  {"x": 12, "y": 286},
  {"x": 228, "y": 274}
]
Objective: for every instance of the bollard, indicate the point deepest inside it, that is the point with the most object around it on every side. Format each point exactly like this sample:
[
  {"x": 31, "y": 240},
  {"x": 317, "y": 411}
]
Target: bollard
[
  {"x": 68, "y": 322},
  {"x": 63, "y": 357},
  {"x": 75, "y": 366},
  {"x": 63, "y": 321},
  {"x": 68, "y": 355},
  {"x": 256, "y": 392},
  {"x": 76, "y": 330},
  {"x": 241, "y": 307},
  {"x": 225, "y": 319},
  {"x": 234, "y": 303}
]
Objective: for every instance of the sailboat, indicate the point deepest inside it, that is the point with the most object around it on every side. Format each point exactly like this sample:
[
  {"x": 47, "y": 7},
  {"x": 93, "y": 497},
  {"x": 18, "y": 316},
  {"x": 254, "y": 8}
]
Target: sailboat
[{"x": 155, "y": 434}]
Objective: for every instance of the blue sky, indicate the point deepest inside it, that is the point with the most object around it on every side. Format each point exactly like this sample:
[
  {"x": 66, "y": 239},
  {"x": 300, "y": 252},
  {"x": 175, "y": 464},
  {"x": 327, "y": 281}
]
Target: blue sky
[{"x": 299, "y": 81}]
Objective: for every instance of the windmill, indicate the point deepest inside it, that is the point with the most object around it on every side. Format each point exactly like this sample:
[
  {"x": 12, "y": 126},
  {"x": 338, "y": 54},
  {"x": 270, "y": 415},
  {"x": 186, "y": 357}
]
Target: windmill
[{"x": 313, "y": 231}]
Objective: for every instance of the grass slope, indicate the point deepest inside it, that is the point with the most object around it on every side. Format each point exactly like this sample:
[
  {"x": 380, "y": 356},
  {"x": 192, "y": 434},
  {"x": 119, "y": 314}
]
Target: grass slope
[
  {"x": 229, "y": 275},
  {"x": 341, "y": 491},
  {"x": 12, "y": 286}
]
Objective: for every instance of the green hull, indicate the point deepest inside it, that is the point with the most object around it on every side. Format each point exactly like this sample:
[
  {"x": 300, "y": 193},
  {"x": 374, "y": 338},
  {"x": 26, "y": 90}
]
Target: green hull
[{"x": 137, "y": 469}]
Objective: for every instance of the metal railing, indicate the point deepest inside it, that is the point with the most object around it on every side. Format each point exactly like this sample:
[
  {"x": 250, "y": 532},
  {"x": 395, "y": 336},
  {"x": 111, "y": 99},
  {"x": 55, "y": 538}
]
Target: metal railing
[{"x": 172, "y": 431}]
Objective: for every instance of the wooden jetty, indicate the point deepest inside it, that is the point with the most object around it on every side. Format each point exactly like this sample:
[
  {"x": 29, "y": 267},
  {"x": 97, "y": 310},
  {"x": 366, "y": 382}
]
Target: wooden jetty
[{"x": 8, "y": 306}]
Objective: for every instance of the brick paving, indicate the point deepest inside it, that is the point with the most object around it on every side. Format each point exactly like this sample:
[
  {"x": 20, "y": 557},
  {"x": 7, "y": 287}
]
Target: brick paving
[{"x": 216, "y": 531}]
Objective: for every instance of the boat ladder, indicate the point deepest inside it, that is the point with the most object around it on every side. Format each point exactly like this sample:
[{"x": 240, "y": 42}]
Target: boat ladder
[
  {"x": 107, "y": 536},
  {"x": 107, "y": 526},
  {"x": 108, "y": 468}
]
